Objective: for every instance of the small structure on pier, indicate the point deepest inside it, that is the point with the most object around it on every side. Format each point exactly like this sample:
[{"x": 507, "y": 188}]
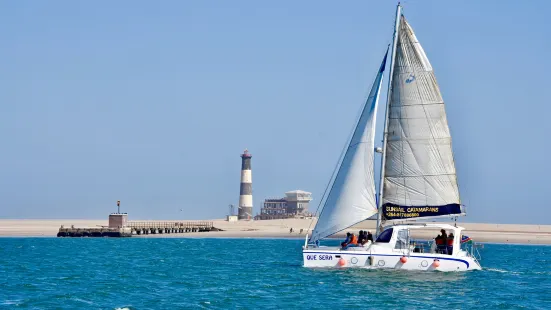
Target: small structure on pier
[
  {"x": 118, "y": 220},
  {"x": 117, "y": 227}
]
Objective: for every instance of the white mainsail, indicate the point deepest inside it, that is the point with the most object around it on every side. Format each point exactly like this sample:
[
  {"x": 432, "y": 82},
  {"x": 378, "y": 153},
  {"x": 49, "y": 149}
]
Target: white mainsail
[
  {"x": 352, "y": 196},
  {"x": 419, "y": 168}
]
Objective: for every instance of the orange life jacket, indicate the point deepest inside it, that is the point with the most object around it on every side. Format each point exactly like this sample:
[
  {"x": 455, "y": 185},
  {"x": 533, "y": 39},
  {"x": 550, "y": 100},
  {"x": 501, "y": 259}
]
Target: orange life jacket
[
  {"x": 353, "y": 240},
  {"x": 450, "y": 241}
]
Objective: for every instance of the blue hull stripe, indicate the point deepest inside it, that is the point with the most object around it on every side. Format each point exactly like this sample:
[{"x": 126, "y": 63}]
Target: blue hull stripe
[{"x": 443, "y": 258}]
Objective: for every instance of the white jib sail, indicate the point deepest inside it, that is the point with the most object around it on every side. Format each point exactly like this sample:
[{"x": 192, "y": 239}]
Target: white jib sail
[
  {"x": 352, "y": 196},
  {"x": 419, "y": 167}
]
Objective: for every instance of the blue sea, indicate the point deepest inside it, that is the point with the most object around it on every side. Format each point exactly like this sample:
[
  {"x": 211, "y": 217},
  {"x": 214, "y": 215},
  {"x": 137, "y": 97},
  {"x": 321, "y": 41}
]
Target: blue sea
[{"x": 174, "y": 273}]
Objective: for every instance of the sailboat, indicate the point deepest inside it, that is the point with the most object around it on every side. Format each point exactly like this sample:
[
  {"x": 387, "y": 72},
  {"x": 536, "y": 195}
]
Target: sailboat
[{"x": 418, "y": 176}]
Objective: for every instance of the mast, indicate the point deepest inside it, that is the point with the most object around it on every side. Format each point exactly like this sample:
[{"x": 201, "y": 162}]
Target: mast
[{"x": 385, "y": 133}]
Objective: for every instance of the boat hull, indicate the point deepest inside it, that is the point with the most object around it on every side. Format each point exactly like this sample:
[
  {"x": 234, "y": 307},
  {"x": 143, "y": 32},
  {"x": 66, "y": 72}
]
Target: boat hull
[{"x": 334, "y": 258}]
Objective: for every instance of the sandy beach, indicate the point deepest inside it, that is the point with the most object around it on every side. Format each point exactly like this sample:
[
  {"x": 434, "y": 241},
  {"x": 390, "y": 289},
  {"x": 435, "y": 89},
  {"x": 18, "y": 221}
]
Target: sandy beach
[{"x": 499, "y": 233}]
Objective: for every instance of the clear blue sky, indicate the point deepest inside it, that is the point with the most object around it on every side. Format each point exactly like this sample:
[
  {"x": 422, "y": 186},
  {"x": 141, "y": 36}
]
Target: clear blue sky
[{"x": 152, "y": 102}]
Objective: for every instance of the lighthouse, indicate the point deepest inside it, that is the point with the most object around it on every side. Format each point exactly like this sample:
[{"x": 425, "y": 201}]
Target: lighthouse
[{"x": 246, "y": 190}]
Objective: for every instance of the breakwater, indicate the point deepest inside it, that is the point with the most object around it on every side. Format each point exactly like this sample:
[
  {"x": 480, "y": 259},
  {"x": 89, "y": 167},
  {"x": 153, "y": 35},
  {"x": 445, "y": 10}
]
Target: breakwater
[
  {"x": 137, "y": 228},
  {"x": 94, "y": 231}
]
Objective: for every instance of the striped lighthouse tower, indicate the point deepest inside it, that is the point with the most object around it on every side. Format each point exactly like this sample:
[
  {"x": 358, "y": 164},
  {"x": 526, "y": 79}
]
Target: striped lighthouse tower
[{"x": 246, "y": 191}]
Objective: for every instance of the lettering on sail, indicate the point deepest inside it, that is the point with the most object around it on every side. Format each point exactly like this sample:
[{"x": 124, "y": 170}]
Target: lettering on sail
[{"x": 391, "y": 211}]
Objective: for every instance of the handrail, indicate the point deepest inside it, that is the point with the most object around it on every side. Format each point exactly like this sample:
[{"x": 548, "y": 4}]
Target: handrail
[{"x": 175, "y": 224}]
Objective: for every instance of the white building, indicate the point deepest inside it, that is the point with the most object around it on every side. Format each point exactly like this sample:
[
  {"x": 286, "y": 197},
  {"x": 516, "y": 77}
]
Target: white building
[{"x": 294, "y": 204}]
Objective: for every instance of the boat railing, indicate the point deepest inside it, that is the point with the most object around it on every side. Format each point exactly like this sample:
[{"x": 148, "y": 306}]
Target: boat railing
[
  {"x": 170, "y": 224},
  {"x": 472, "y": 249},
  {"x": 429, "y": 246}
]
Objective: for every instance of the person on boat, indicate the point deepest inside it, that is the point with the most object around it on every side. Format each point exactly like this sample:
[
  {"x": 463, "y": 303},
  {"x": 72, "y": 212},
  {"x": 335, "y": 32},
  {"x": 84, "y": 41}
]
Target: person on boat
[
  {"x": 443, "y": 234},
  {"x": 353, "y": 239},
  {"x": 361, "y": 237},
  {"x": 441, "y": 241},
  {"x": 369, "y": 236},
  {"x": 449, "y": 244},
  {"x": 352, "y": 242},
  {"x": 347, "y": 238}
]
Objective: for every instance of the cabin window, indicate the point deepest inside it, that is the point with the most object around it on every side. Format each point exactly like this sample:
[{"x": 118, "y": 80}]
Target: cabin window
[
  {"x": 385, "y": 236},
  {"x": 402, "y": 239}
]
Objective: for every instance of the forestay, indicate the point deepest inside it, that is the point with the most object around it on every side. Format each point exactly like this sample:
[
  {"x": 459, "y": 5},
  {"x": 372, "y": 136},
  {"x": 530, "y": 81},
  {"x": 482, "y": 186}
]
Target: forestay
[
  {"x": 352, "y": 196},
  {"x": 420, "y": 177}
]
